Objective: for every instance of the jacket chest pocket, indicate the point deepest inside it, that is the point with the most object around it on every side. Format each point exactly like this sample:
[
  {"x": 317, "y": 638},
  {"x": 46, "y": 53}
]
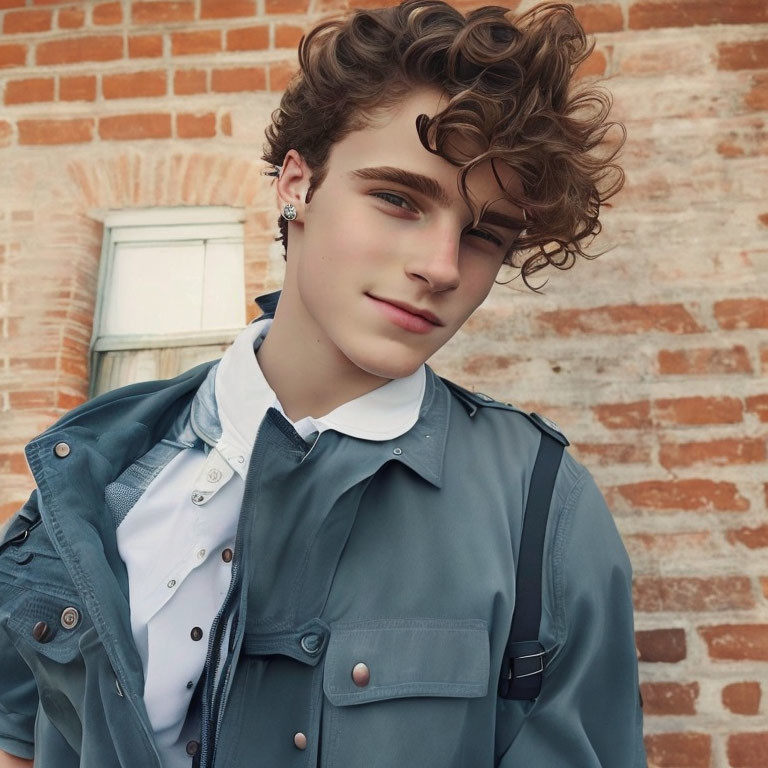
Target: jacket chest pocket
[{"x": 399, "y": 692}]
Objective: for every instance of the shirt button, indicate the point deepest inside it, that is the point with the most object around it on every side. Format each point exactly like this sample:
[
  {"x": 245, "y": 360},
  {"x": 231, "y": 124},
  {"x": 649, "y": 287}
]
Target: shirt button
[
  {"x": 61, "y": 450},
  {"x": 226, "y": 555},
  {"x": 192, "y": 747},
  {"x": 190, "y": 685},
  {"x": 201, "y": 554},
  {"x": 300, "y": 740},
  {"x": 361, "y": 674},
  {"x": 196, "y": 633}
]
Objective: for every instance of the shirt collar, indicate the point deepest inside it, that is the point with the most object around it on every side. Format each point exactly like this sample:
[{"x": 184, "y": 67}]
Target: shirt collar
[{"x": 235, "y": 396}]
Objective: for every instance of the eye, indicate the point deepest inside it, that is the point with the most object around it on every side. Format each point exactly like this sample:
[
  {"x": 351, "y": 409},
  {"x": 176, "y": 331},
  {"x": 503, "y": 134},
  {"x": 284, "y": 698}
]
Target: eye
[{"x": 484, "y": 235}]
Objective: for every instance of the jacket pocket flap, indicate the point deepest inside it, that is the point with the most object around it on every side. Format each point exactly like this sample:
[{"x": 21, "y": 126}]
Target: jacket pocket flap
[
  {"x": 50, "y": 625},
  {"x": 407, "y": 657}
]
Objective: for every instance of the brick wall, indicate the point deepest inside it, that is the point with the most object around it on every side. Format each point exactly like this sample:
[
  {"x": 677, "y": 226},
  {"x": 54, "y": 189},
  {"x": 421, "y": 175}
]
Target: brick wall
[{"x": 653, "y": 358}]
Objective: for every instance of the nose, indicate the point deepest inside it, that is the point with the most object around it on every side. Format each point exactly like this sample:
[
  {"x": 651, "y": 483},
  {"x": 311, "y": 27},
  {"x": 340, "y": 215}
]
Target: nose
[{"x": 438, "y": 262}]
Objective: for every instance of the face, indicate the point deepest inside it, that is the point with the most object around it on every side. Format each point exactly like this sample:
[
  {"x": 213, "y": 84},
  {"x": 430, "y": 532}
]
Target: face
[{"x": 362, "y": 243}]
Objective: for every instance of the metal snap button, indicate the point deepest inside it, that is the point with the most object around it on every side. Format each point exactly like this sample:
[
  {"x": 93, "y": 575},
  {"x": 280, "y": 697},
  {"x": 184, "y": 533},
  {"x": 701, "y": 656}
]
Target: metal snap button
[
  {"x": 198, "y": 498},
  {"x": 61, "y": 450},
  {"x": 397, "y": 451},
  {"x": 361, "y": 674},
  {"x": 196, "y": 633},
  {"x": 311, "y": 643},
  {"x": 41, "y": 632},
  {"x": 192, "y": 747},
  {"x": 300, "y": 740},
  {"x": 70, "y": 617}
]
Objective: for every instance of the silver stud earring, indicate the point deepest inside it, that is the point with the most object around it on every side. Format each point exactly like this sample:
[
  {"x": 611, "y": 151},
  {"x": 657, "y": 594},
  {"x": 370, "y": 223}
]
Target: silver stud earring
[{"x": 289, "y": 212}]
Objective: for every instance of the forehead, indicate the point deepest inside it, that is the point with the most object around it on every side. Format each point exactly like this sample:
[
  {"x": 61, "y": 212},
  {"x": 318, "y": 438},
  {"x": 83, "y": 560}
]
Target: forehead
[{"x": 391, "y": 140}]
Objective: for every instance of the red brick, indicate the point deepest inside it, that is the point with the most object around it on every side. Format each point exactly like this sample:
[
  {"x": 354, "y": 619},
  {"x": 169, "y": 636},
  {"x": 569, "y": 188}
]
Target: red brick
[
  {"x": 107, "y": 13},
  {"x": 13, "y": 463},
  {"x": 699, "y": 494},
  {"x": 661, "y": 645},
  {"x": 621, "y": 319},
  {"x": 742, "y": 698},
  {"x": 6, "y": 133},
  {"x": 604, "y": 454},
  {"x": 134, "y": 85},
  {"x": 737, "y": 642},
  {"x": 192, "y": 126},
  {"x": 248, "y": 39},
  {"x": 68, "y": 401},
  {"x": 653, "y": 14},
  {"x": 624, "y": 415},
  {"x": 689, "y": 411},
  {"x": 764, "y": 586},
  {"x": 226, "y": 124},
  {"x": 752, "y": 54},
  {"x": 716, "y": 593},
  {"x": 240, "y": 79},
  {"x": 288, "y": 36},
  {"x": 668, "y": 544},
  {"x": 76, "y": 49},
  {"x": 753, "y": 538},
  {"x": 12, "y": 4},
  {"x": 205, "y": 41},
  {"x": 728, "y": 451},
  {"x": 280, "y": 74},
  {"x": 187, "y": 81},
  {"x": 145, "y": 46},
  {"x": 220, "y": 9},
  {"x": 287, "y": 6},
  {"x": 27, "y": 399},
  {"x": 757, "y": 96},
  {"x": 758, "y": 404},
  {"x": 71, "y": 18},
  {"x": 13, "y": 55},
  {"x": 603, "y": 17},
  {"x": 141, "y": 126},
  {"x": 162, "y": 12},
  {"x": 16, "y": 22},
  {"x": 679, "y": 750},
  {"x": 748, "y": 750},
  {"x": 704, "y": 361},
  {"x": 77, "y": 88},
  {"x": 669, "y": 698},
  {"x": 73, "y": 131},
  {"x": 735, "y": 314},
  {"x": 29, "y": 90}
]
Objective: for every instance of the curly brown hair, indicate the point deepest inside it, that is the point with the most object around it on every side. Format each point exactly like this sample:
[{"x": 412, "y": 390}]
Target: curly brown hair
[{"x": 509, "y": 83}]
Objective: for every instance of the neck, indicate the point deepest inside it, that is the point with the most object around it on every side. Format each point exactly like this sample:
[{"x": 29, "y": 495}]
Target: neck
[{"x": 307, "y": 372}]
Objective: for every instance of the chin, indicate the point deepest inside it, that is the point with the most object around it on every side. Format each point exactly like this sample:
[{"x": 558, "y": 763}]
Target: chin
[{"x": 387, "y": 366}]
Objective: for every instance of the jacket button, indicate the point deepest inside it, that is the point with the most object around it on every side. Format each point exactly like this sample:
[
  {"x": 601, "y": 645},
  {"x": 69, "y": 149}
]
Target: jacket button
[
  {"x": 41, "y": 632},
  {"x": 226, "y": 555},
  {"x": 361, "y": 674},
  {"x": 196, "y": 633},
  {"x": 70, "y": 618},
  {"x": 192, "y": 747},
  {"x": 311, "y": 643},
  {"x": 61, "y": 449},
  {"x": 300, "y": 740}
]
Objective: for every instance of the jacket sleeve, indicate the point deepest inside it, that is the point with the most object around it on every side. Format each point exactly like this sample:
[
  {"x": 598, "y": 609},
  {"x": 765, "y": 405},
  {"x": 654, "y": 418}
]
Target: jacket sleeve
[
  {"x": 589, "y": 712},
  {"x": 18, "y": 689}
]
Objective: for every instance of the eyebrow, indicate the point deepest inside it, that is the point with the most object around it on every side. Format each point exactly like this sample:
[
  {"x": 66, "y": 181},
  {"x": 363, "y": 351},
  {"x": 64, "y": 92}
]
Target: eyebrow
[{"x": 432, "y": 190}]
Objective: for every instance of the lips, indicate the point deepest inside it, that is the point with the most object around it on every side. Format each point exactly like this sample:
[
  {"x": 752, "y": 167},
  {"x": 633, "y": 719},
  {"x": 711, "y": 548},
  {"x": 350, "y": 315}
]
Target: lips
[{"x": 425, "y": 313}]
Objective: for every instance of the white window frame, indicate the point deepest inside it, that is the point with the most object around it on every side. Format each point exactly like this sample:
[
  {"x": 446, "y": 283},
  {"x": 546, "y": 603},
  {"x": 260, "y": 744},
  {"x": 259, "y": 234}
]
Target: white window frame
[{"x": 172, "y": 224}]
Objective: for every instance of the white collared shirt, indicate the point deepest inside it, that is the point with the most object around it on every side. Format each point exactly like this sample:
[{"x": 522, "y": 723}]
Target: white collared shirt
[{"x": 177, "y": 540}]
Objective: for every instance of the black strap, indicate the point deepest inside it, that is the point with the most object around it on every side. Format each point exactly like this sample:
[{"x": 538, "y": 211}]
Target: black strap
[{"x": 522, "y": 668}]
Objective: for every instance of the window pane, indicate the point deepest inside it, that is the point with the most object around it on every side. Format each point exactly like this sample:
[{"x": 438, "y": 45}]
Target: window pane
[
  {"x": 155, "y": 289},
  {"x": 224, "y": 296}
]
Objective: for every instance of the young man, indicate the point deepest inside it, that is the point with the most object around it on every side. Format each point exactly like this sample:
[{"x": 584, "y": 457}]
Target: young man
[{"x": 307, "y": 552}]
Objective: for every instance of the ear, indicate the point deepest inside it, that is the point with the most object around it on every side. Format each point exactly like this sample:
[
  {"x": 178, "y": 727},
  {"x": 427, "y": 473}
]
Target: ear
[{"x": 293, "y": 183}]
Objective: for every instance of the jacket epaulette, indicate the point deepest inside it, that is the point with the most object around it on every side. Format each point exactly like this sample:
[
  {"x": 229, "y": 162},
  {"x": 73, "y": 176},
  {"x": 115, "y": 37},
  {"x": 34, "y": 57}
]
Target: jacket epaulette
[{"x": 472, "y": 400}]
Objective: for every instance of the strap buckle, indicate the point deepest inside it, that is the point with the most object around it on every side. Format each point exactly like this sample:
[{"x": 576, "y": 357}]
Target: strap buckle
[{"x": 522, "y": 670}]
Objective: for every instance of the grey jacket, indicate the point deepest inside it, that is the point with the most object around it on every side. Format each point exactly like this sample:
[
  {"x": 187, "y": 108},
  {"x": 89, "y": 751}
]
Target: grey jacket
[{"x": 397, "y": 555}]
